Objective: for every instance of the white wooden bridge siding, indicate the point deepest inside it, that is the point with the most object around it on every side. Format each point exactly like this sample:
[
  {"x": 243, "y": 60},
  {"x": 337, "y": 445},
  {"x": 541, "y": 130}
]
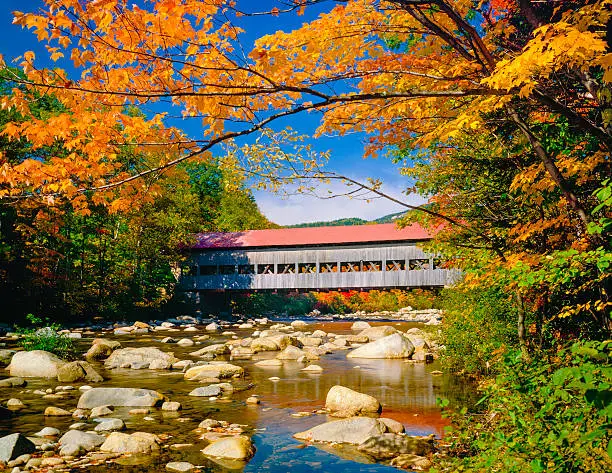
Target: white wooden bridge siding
[{"x": 318, "y": 280}]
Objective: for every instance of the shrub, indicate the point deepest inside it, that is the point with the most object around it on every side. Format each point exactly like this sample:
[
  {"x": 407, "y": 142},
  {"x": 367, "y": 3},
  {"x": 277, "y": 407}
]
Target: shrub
[
  {"x": 47, "y": 338},
  {"x": 479, "y": 324},
  {"x": 548, "y": 413}
]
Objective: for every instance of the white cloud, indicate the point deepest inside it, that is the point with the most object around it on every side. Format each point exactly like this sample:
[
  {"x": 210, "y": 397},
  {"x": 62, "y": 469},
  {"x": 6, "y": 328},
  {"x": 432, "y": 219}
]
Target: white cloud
[{"x": 303, "y": 208}]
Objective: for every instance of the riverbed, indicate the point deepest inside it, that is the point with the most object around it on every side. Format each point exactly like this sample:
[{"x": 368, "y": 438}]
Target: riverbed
[{"x": 406, "y": 390}]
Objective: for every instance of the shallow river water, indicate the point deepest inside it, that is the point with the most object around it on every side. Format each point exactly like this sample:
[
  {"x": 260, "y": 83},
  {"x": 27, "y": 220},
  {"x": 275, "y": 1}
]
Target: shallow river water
[{"x": 407, "y": 391}]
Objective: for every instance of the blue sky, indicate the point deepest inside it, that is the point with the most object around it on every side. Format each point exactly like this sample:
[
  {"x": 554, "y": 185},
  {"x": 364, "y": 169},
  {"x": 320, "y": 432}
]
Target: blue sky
[{"x": 346, "y": 151}]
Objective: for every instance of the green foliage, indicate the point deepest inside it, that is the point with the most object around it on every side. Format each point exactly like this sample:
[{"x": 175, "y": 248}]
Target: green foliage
[
  {"x": 549, "y": 413},
  {"x": 479, "y": 324},
  {"x": 261, "y": 303},
  {"x": 333, "y": 302},
  {"x": 43, "y": 335}
]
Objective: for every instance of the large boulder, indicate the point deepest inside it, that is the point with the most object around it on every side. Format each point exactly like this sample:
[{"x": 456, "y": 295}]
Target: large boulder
[
  {"x": 130, "y": 397},
  {"x": 101, "y": 348},
  {"x": 354, "y": 430},
  {"x": 139, "y": 358},
  {"x": 344, "y": 402},
  {"x": 213, "y": 370},
  {"x": 138, "y": 442},
  {"x": 386, "y": 446},
  {"x": 13, "y": 446},
  {"x": 374, "y": 333},
  {"x": 75, "y": 442},
  {"x": 391, "y": 346},
  {"x": 238, "y": 447},
  {"x": 76, "y": 371},
  {"x": 35, "y": 364}
]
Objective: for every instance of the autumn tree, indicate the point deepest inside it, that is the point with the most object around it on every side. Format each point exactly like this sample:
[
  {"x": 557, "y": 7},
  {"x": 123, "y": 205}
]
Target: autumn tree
[{"x": 410, "y": 73}]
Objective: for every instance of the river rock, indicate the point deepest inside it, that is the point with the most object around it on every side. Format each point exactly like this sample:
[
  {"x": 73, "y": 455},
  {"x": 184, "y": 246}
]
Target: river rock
[
  {"x": 185, "y": 342},
  {"x": 238, "y": 447},
  {"x": 15, "y": 404},
  {"x": 76, "y": 371},
  {"x": 391, "y": 346},
  {"x": 47, "y": 432},
  {"x": 100, "y": 411},
  {"x": 14, "y": 382},
  {"x": 374, "y": 333},
  {"x": 242, "y": 353},
  {"x": 408, "y": 461},
  {"x": 393, "y": 425},
  {"x": 312, "y": 369},
  {"x": 179, "y": 467},
  {"x": 138, "y": 357},
  {"x": 101, "y": 348},
  {"x": 206, "y": 391},
  {"x": 360, "y": 325},
  {"x": 52, "y": 411},
  {"x": 110, "y": 424},
  {"x": 130, "y": 397},
  {"x": 264, "y": 344},
  {"x": 74, "y": 442},
  {"x": 35, "y": 364},
  {"x": 269, "y": 363},
  {"x": 290, "y": 353},
  {"x": 6, "y": 356},
  {"x": 344, "y": 402},
  {"x": 213, "y": 370},
  {"x": 310, "y": 341},
  {"x": 386, "y": 446},
  {"x": 171, "y": 406},
  {"x": 138, "y": 442},
  {"x": 213, "y": 327},
  {"x": 216, "y": 350},
  {"x": 15, "y": 445},
  {"x": 354, "y": 430},
  {"x": 209, "y": 424},
  {"x": 298, "y": 324}
]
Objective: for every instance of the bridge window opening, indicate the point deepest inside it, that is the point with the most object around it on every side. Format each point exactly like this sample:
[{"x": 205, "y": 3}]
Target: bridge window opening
[
  {"x": 395, "y": 265},
  {"x": 372, "y": 266},
  {"x": 328, "y": 267},
  {"x": 246, "y": 269},
  {"x": 265, "y": 269},
  {"x": 227, "y": 269},
  {"x": 418, "y": 264},
  {"x": 208, "y": 270},
  {"x": 353, "y": 267},
  {"x": 309, "y": 268},
  {"x": 286, "y": 268}
]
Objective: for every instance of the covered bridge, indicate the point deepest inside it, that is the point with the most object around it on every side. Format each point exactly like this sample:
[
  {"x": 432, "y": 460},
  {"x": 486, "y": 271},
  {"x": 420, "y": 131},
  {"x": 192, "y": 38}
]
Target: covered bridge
[{"x": 315, "y": 258}]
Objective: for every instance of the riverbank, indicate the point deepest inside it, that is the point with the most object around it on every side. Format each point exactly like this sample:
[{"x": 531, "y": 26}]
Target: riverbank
[{"x": 253, "y": 384}]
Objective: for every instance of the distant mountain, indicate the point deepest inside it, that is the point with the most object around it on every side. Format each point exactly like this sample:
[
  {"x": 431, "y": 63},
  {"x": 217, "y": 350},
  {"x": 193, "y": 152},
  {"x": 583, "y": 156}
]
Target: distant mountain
[{"x": 349, "y": 221}]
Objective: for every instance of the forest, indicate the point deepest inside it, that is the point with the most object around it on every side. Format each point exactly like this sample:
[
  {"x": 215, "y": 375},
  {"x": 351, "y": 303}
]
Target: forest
[{"x": 499, "y": 113}]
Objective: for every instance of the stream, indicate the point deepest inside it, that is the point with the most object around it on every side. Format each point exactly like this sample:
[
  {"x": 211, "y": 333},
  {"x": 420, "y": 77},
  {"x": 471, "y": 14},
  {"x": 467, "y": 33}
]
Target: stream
[{"x": 407, "y": 391}]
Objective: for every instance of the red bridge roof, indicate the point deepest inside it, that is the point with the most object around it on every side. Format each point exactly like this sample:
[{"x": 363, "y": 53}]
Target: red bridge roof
[{"x": 386, "y": 232}]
